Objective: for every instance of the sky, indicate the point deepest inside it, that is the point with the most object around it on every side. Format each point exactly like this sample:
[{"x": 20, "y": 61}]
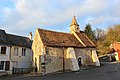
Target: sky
[{"x": 23, "y": 16}]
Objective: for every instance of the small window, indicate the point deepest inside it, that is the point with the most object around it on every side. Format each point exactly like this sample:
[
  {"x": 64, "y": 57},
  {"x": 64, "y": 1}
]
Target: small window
[
  {"x": 3, "y": 50},
  {"x": 23, "y": 52},
  {"x": 77, "y": 28},
  {"x": 15, "y": 51},
  {"x": 2, "y": 65}
]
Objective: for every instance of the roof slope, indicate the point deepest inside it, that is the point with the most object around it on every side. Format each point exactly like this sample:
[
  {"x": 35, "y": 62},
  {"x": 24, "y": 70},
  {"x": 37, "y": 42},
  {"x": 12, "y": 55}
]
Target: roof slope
[
  {"x": 85, "y": 39},
  {"x": 14, "y": 40},
  {"x": 52, "y": 38}
]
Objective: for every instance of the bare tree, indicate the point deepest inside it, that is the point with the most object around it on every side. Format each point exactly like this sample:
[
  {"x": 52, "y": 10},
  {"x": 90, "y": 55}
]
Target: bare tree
[{"x": 100, "y": 34}]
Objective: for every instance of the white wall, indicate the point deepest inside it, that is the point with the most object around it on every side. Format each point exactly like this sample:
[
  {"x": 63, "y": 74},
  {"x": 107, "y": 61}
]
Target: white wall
[
  {"x": 116, "y": 56},
  {"x": 6, "y": 57},
  {"x": 23, "y": 61}
]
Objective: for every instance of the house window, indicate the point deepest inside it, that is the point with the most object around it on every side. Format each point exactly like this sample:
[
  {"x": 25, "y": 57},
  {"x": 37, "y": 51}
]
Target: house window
[
  {"x": 2, "y": 65},
  {"x": 15, "y": 51},
  {"x": 23, "y": 52},
  {"x": 3, "y": 50}
]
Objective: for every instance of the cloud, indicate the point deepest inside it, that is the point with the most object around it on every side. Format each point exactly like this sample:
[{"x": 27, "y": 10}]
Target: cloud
[
  {"x": 29, "y": 14},
  {"x": 114, "y": 11}
]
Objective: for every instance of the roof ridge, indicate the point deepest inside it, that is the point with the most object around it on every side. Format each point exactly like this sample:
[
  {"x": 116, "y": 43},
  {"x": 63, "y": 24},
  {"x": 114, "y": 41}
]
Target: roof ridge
[
  {"x": 17, "y": 35},
  {"x": 54, "y": 31},
  {"x": 2, "y": 30}
]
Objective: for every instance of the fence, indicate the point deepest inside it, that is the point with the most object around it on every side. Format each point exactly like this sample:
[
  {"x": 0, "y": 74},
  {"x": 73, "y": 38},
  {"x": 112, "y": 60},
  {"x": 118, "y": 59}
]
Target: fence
[{"x": 21, "y": 70}]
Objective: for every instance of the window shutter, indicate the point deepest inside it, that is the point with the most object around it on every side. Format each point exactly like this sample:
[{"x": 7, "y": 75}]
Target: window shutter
[{"x": 7, "y": 65}]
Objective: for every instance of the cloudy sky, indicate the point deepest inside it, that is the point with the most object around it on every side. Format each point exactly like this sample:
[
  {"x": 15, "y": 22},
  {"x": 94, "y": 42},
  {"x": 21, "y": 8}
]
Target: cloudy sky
[{"x": 22, "y": 16}]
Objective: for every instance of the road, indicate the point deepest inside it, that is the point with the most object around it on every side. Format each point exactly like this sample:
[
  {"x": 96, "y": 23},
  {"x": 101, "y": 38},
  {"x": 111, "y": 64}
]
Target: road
[{"x": 106, "y": 72}]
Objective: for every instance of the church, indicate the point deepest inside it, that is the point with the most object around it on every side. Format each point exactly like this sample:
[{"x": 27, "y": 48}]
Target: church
[{"x": 58, "y": 51}]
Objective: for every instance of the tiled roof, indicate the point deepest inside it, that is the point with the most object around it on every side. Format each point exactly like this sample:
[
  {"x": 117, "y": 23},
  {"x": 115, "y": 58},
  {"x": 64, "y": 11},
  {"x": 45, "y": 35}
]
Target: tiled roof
[
  {"x": 85, "y": 40},
  {"x": 52, "y": 38},
  {"x": 14, "y": 40}
]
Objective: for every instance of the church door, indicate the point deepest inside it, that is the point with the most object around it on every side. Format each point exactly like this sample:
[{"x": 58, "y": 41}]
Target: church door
[{"x": 79, "y": 62}]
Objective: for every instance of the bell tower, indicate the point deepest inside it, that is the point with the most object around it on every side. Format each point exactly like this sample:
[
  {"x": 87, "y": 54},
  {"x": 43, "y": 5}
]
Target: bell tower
[{"x": 74, "y": 26}]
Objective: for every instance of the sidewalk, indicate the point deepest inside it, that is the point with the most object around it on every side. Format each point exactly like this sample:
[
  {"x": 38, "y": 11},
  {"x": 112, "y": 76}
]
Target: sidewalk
[
  {"x": 37, "y": 74},
  {"x": 21, "y": 75}
]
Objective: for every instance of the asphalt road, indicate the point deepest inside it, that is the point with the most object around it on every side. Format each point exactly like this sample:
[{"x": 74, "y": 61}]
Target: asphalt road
[{"x": 106, "y": 72}]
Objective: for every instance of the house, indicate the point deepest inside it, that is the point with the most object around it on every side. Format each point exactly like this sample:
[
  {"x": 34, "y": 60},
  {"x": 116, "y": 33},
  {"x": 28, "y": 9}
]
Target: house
[
  {"x": 116, "y": 47},
  {"x": 58, "y": 51},
  {"x": 15, "y": 51}
]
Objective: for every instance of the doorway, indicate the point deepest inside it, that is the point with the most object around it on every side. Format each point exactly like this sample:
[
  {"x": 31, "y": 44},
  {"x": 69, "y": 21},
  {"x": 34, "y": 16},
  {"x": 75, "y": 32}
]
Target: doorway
[{"x": 80, "y": 62}]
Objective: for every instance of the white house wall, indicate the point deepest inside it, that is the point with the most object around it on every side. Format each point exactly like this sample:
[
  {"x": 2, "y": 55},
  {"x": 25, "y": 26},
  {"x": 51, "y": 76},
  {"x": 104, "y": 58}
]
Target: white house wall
[
  {"x": 23, "y": 61},
  {"x": 6, "y": 57}
]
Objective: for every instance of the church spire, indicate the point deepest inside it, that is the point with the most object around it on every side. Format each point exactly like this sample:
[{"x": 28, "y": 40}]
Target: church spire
[
  {"x": 74, "y": 26},
  {"x": 74, "y": 22}
]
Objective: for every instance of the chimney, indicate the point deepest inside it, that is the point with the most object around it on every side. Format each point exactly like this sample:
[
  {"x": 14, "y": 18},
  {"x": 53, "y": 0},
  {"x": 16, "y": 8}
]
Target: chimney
[{"x": 30, "y": 35}]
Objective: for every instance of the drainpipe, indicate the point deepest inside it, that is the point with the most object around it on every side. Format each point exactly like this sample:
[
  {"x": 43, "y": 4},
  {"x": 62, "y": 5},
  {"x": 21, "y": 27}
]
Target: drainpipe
[
  {"x": 10, "y": 54},
  {"x": 63, "y": 58}
]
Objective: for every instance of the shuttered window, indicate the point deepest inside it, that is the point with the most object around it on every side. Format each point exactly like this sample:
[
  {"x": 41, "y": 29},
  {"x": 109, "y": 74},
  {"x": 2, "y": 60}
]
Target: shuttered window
[
  {"x": 2, "y": 65},
  {"x": 7, "y": 65}
]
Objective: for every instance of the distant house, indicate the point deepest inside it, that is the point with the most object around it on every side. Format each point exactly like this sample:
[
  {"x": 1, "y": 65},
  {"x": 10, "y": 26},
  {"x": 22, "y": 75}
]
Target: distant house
[
  {"x": 116, "y": 47},
  {"x": 57, "y": 51},
  {"x": 111, "y": 55},
  {"x": 15, "y": 51}
]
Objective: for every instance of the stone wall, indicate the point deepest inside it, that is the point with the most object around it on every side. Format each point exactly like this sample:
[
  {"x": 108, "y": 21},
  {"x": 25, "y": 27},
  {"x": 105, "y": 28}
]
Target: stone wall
[
  {"x": 86, "y": 55},
  {"x": 71, "y": 63},
  {"x": 54, "y": 59}
]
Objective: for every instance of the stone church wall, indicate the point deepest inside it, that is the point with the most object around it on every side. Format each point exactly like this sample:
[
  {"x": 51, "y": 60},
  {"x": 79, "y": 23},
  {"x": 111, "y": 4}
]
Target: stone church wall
[
  {"x": 86, "y": 56},
  {"x": 54, "y": 59}
]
